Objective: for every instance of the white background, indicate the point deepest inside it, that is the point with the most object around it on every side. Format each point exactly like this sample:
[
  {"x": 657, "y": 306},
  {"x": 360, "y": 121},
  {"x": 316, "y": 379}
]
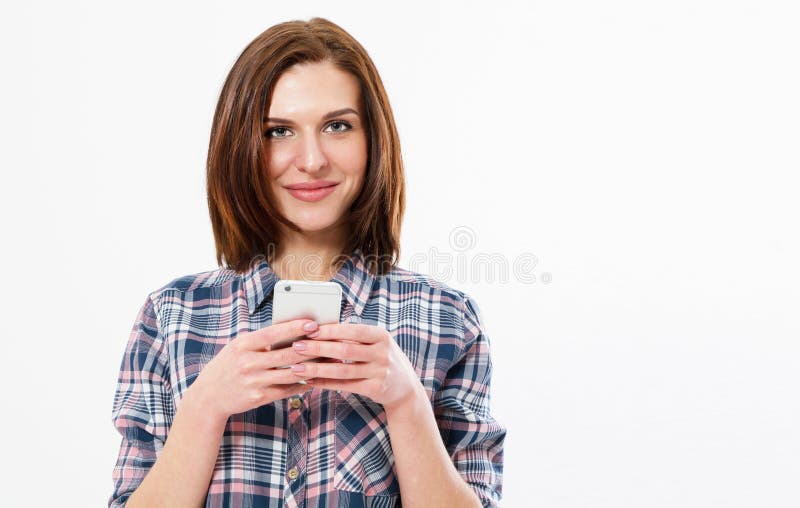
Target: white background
[{"x": 644, "y": 152}]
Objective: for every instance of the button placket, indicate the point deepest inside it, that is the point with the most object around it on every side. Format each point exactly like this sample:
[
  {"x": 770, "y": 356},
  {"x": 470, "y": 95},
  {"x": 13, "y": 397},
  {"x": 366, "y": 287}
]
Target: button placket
[{"x": 297, "y": 450}]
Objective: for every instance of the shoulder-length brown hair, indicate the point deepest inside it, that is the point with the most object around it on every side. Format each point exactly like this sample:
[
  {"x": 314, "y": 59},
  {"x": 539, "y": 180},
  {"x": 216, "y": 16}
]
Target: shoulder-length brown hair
[{"x": 243, "y": 218}]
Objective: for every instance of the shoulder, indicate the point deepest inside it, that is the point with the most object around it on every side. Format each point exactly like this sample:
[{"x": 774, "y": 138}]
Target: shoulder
[
  {"x": 405, "y": 279},
  {"x": 463, "y": 311},
  {"x": 198, "y": 281}
]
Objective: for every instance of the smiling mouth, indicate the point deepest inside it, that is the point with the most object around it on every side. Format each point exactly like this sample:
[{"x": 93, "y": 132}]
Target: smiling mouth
[{"x": 314, "y": 194}]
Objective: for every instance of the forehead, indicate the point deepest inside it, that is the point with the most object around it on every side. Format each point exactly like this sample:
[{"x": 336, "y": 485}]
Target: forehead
[{"x": 313, "y": 89}]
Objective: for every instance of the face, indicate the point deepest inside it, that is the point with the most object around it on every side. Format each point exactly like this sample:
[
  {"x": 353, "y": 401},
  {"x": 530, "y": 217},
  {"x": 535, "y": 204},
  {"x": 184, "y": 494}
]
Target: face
[{"x": 316, "y": 143}]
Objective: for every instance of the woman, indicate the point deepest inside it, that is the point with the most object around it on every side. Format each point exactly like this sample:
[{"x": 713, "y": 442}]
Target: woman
[{"x": 305, "y": 181}]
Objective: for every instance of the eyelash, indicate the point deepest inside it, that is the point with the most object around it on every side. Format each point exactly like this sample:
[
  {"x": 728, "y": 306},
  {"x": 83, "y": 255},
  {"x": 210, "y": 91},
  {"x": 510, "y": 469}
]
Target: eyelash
[{"x": 269, "y": 131}]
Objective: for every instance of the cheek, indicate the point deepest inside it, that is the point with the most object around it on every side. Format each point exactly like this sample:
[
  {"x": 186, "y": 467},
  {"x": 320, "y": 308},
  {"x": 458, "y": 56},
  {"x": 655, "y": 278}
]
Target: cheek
[
  {"x": 352, "y": 159},
  {"x": 278, "y": 162}
]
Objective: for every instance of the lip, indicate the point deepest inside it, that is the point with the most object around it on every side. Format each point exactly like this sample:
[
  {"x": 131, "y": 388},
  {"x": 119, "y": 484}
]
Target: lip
[
  {"x": 311, "y": 185},
  {"x": 311, "y": 191}
]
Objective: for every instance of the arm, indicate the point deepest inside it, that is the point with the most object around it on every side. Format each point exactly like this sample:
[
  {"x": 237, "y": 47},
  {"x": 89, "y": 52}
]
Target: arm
[
  {"x": 143, "y": 415},
  {"x": 451, "y": 454},
  {"x": 426, "y": 475},
  {"x": 473, "y": 438},
  {"x": 457, "y": 464},
  {"x": 182, "y": 473}
]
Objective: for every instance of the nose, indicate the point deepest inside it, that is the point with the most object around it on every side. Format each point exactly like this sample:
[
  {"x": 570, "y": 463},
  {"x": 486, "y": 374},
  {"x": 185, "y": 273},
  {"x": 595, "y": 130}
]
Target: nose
[{"x": 311, "y": 157}]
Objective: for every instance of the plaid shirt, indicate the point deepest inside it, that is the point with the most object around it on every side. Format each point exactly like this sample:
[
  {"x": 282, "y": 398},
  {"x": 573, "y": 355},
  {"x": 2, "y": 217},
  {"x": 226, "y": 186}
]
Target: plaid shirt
[{"x": 337, "y": 441}]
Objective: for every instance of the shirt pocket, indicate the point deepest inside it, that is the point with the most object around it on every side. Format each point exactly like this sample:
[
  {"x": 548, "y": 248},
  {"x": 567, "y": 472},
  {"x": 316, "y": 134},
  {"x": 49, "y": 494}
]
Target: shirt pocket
[{"x": 364, "y": 462}]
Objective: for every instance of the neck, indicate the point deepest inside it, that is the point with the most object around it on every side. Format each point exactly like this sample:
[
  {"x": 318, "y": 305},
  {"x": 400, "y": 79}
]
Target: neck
[{"x": 308, "y": 256}]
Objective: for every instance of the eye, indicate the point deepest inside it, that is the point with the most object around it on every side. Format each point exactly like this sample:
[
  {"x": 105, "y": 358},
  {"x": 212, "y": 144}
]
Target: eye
[
  {"x": 273, "y": 130},
  {"x": 282, "y": 132},
  {"x": 339, "y": 122}
]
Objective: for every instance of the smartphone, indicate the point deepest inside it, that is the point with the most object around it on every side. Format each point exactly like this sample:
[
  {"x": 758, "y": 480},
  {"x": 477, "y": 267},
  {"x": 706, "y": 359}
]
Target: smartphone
[{"x": 299, "y": 299}]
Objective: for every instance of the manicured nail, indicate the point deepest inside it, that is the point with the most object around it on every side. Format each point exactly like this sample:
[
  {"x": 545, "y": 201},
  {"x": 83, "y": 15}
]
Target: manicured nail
[
  {"x": 300, "y": 346},
  {"x": 311, "y": 325},
  {"x": 298, "y": 367}
]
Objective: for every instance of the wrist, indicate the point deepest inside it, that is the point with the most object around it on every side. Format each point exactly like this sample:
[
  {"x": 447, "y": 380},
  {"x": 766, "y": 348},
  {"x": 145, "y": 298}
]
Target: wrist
[
  {"x": 196, "y": 403},
  {"x": 411, "y": 403}
]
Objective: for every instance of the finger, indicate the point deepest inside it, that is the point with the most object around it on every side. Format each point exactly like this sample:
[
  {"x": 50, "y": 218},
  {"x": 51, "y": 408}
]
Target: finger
[
  {"x": 279, "y": 358},
  {"x": 277, "y": 377},
  {"x": 335, "y": 370},
  {"x": 278, "y": 392},
  {"x": 353, "y": 351},
  {"x": 325, "y": 360},
  {"x": 350, "y": 331},
  {"x": 262, "y": 339},
  {"x": 361, "y": 386}
]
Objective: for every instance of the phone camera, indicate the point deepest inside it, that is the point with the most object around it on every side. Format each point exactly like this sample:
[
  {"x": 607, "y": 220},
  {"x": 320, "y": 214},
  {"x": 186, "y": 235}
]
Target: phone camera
[{"x": 287, "y": 288}]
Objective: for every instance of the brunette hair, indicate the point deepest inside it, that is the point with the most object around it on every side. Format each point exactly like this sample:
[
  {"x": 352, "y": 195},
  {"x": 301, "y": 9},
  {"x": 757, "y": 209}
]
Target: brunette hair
[{"x": 243, "y": 218}]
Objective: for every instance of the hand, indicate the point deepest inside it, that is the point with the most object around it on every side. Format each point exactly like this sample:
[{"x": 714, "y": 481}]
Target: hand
[
  {"x": 380, "y": 369},
  {"x": 243, "y": 374}
]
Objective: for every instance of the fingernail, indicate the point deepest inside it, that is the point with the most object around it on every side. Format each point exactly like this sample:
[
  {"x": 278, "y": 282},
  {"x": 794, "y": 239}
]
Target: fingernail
[
  {"x": 300, "y": 346},
  {"x": 311, "y": 325},
  {"x": 298, "y": 367}
]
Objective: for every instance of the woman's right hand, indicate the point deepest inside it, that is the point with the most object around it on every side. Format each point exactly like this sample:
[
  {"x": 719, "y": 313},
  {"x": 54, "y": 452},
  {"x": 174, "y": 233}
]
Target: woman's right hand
[{"x": 243, "y": 374}]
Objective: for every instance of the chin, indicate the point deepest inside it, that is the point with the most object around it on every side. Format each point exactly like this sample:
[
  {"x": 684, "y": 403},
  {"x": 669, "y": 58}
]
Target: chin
[{"x": 313, "y": 224}]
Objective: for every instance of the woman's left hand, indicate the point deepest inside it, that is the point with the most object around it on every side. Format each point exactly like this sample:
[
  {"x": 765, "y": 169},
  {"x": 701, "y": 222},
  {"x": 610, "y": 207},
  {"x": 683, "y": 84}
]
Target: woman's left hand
[{"x": 379, "y": 370}]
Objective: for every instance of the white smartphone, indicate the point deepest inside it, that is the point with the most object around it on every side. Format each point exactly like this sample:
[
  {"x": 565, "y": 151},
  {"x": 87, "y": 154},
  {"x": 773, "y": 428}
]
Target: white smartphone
[{"x": 299, "y": 299}]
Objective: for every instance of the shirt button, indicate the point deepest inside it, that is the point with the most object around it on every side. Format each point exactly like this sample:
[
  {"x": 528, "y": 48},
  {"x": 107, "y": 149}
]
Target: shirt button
[
  {"x": 293, "y": 473},
  {"x": 295, "y": 403}
]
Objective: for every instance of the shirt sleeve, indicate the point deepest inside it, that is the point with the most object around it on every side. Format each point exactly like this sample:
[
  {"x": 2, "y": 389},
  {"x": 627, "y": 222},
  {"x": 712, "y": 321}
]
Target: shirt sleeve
[
  {"x": 473, "y": 438},
  {"x": 143, "y": 405}
]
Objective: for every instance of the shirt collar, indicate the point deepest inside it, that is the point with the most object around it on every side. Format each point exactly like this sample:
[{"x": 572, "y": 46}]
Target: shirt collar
[{"x": 353, "y": 276}]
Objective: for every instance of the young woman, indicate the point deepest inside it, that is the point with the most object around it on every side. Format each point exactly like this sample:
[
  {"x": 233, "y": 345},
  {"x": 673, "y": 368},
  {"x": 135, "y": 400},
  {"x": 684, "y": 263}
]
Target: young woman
[{"x": 305, "y": 181}]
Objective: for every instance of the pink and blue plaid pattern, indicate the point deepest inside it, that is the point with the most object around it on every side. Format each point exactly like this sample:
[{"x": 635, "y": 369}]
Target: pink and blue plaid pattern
[{"x": 339, "y": 442}]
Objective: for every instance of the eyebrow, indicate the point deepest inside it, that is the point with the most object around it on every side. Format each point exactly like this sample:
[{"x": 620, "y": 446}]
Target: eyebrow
[{"x": 327, "y": 116}]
